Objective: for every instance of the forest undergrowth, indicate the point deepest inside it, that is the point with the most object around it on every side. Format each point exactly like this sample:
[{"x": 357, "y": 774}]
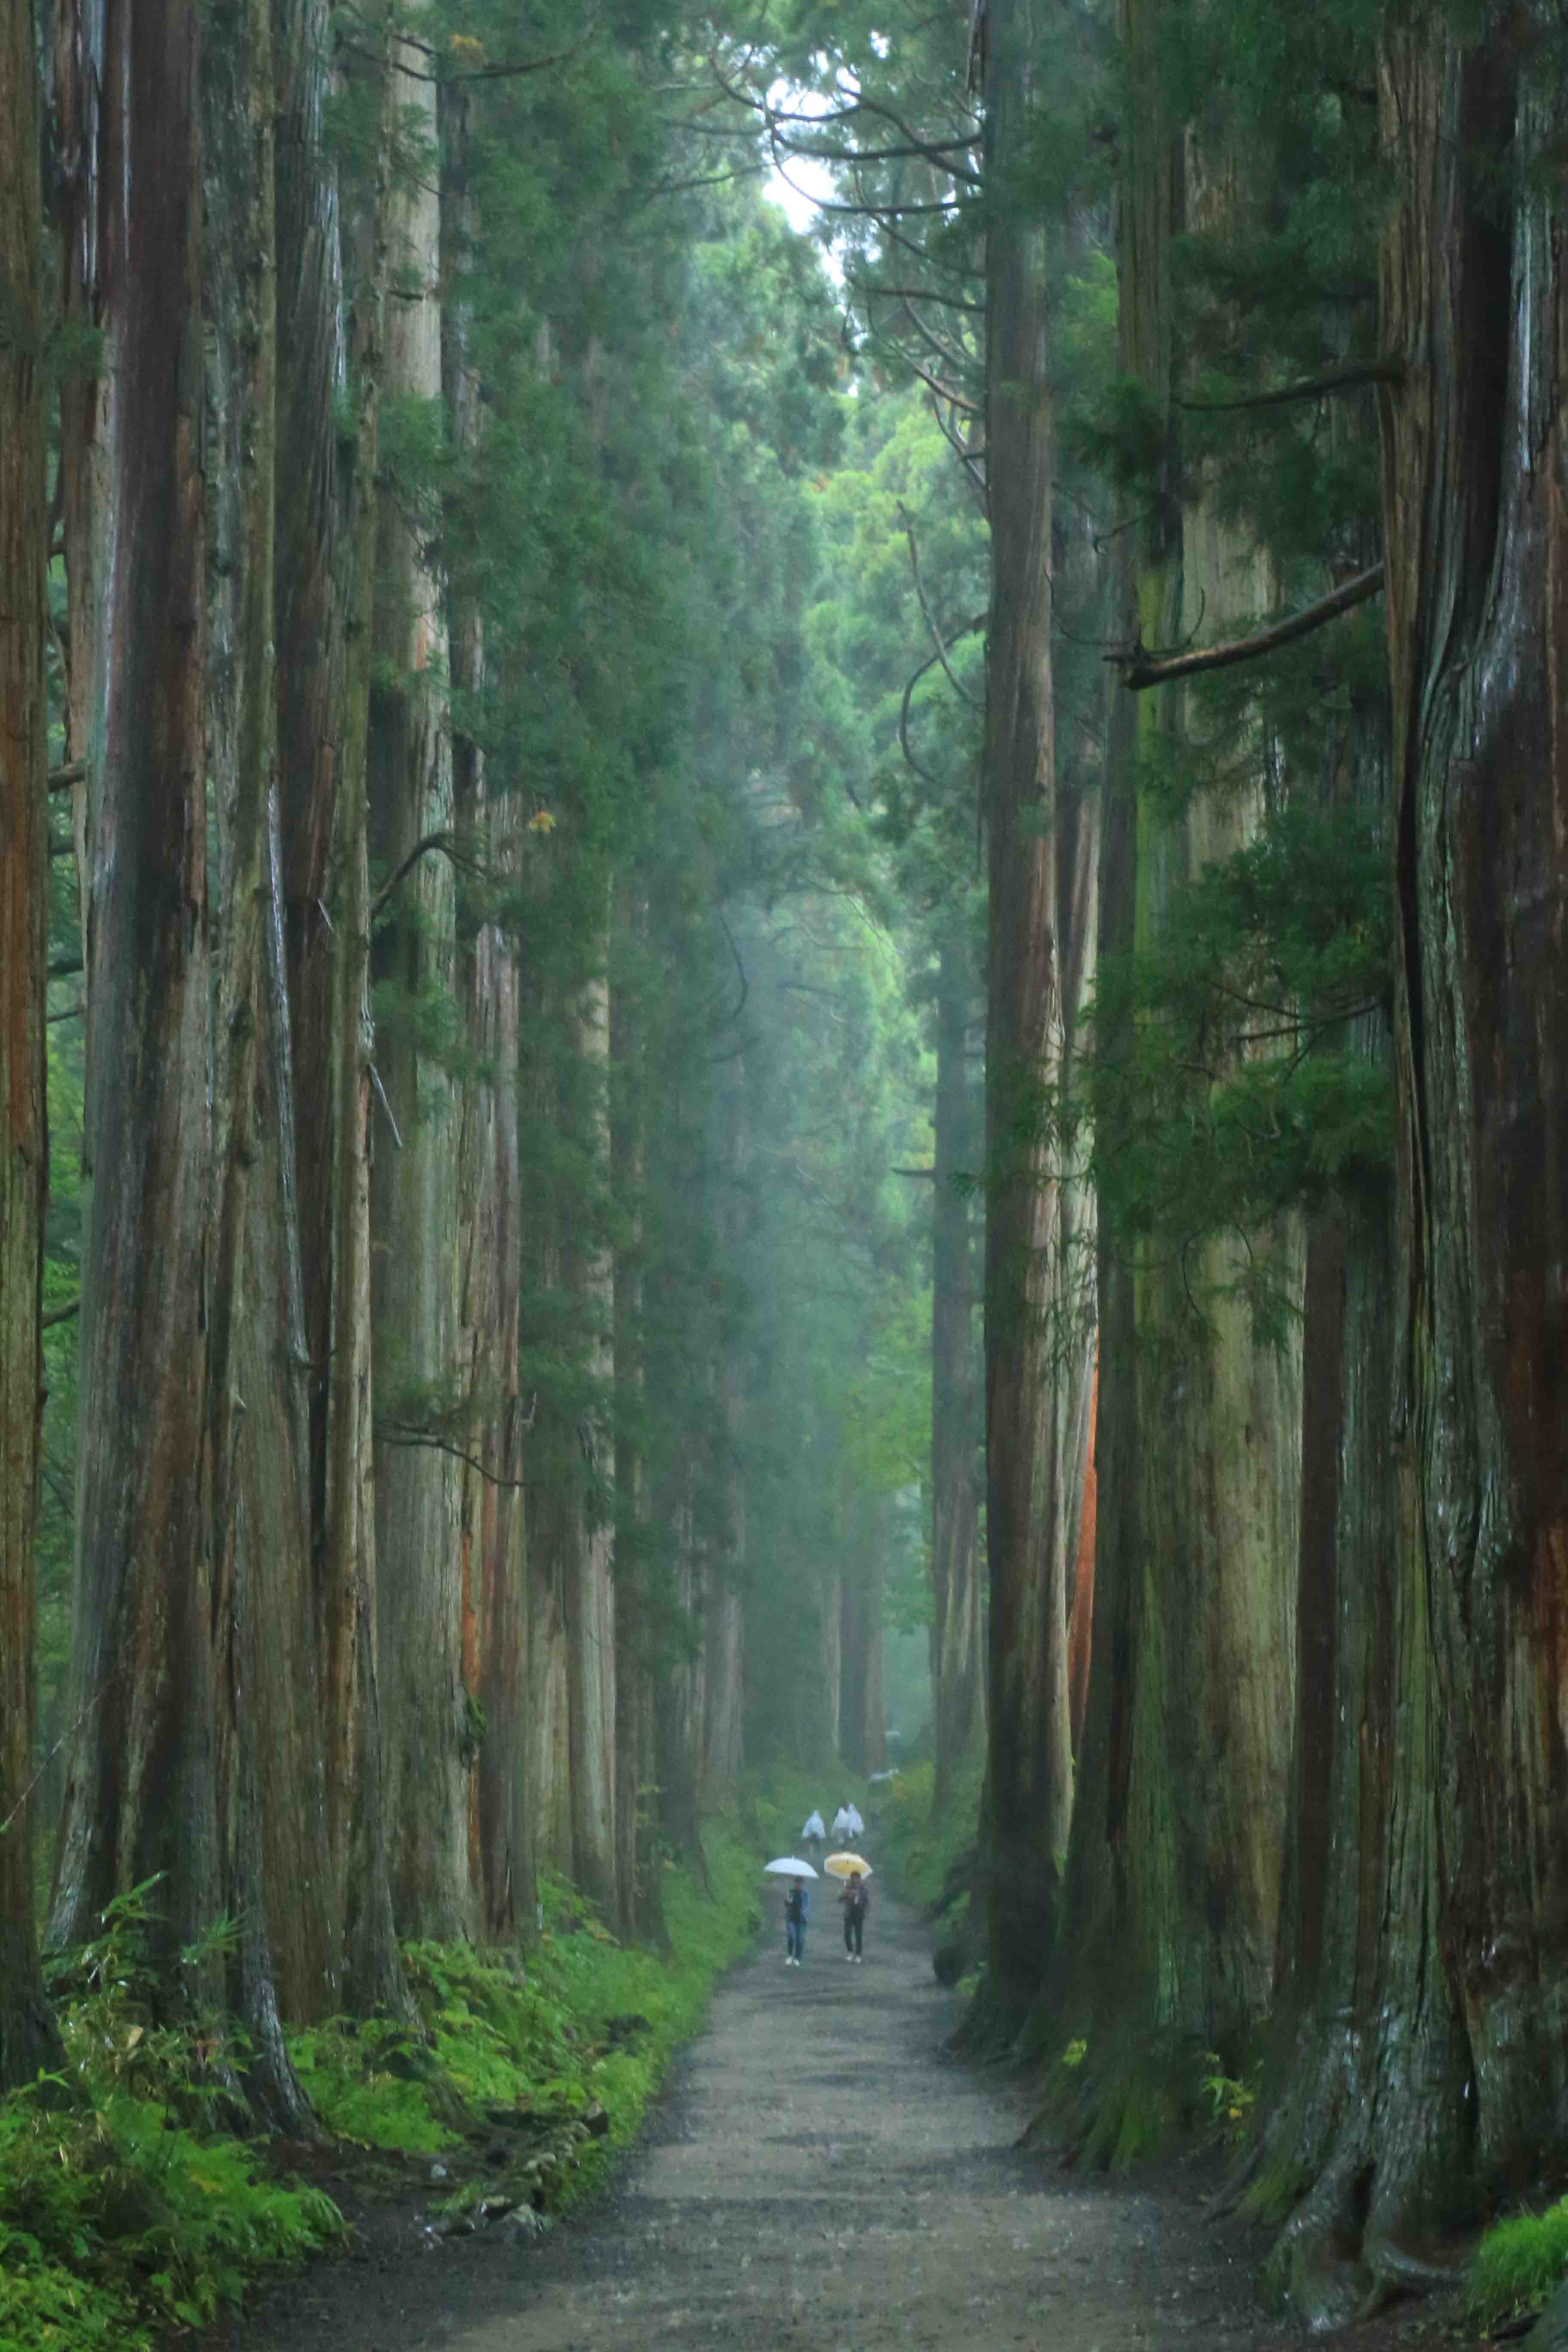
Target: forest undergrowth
[{"x": 129, "y": 2203}]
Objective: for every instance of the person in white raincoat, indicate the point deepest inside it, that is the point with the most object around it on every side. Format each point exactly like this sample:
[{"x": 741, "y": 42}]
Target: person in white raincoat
[{"x": 814, "y": 1834}]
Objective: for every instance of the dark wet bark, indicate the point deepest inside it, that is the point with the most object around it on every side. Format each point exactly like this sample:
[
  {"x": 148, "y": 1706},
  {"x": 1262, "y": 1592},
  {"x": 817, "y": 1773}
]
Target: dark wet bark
[
  {"x": 1173, "y": 1874},
  {"x": 271, "y": 1799},
  {"x": 1332, "y": 1976},
  {"x": 489, "y": 1265},
  {"x": 678, "y": 1706},
  {"x": 588, "y": 1524},
  {"x": 957, "y": 1685},
  {"x": 309, "y": 612},
  {"x": 549, "y": 1474},
  {"x": 1443, "y": 1954},
  {"x": 28, "y": 2037},
  {"x": 638, "y": 1846},
  {"x": 139, "y": 1795},
  {"x": 373, "y": 1977},
  {"x": 1030, "y": 1761},
  {"x": 79, "y": 65}
]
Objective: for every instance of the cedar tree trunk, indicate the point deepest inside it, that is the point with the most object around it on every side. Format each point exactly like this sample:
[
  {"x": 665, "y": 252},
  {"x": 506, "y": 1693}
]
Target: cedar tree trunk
[{"x": 27, "y": 2036}]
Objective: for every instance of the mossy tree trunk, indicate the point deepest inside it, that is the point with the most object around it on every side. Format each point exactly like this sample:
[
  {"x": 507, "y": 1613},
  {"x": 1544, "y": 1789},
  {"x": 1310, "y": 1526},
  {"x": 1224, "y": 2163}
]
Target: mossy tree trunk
[
  {"x": 27, "y": 2036},
  {"x": 1443, "y": 1954},
  {"x": 1183, "y": 1758}
]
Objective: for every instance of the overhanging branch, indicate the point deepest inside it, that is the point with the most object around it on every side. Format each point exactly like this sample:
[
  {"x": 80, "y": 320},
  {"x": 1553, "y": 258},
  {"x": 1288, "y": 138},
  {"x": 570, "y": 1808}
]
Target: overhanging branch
[
  {"x": 1310, "y": 388},
  {"x": 1139, "y": 669}
]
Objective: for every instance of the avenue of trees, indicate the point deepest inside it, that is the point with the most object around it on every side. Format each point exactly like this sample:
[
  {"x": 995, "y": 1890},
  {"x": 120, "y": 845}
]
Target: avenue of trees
[{"x": 676, "y": 895}]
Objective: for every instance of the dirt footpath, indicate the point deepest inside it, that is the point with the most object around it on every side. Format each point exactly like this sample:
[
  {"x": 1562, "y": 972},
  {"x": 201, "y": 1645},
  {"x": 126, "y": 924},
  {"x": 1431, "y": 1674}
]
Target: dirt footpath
[{"x": 818, "y": 2173}]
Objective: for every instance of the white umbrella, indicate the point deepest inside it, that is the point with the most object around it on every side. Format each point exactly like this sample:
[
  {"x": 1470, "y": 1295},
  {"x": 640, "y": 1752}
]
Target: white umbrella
[{"x": 787, "y": 1867}]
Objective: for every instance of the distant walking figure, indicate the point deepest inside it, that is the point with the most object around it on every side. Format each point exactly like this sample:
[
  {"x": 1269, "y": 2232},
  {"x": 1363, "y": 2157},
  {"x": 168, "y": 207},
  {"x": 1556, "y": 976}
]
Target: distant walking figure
[
  {"x": 844, "y": 1821},
  {"x": 797, "y": 1913},
  {"x": 856, "y": 1901},
  {"x": 814, "y": 1834}
]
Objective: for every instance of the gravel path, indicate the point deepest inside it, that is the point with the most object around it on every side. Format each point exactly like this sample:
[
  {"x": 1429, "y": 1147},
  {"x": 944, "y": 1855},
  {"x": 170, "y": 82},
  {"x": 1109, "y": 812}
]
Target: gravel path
[{"x": 818, "y": 2173}]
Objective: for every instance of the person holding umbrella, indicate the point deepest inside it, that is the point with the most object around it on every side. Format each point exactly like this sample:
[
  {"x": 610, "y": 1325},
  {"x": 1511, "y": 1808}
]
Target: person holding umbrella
[
  {"x": 856, "y": 1901},
  {"x": 797, "y": 1911},
  {"x": 797, "y": 1903}
]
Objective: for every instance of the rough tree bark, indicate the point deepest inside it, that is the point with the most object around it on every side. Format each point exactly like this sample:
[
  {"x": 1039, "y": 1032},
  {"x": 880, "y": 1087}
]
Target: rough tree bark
[
  {"x": 638, "y": 1660},
  {"x": 140, "y": 1792},
  {"x": 589, "y": 1524},
  {"x": 490, "y": 1263},
  {"x": 957, "y": 1685},
  {"x": 1183, "y": 1762},
  {"x": 271, "y": 1800},
  {"x": 413, "y": 1165},
  {"x": 373, "y": 1977},
  {"x": 79, "y": 64},
  {"x": 27, "y": 2036},
  {"x": 310, "y": 615},
  {"x": 723, "y": 1600},
  {"x": 1031, "y": 1401},
  {"x": 1444, "y": 1956}
]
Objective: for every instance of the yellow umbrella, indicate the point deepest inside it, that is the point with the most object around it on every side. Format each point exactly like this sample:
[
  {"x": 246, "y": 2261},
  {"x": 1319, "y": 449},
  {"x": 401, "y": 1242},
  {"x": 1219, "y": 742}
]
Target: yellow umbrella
[{"x": 841, "y": 1864}]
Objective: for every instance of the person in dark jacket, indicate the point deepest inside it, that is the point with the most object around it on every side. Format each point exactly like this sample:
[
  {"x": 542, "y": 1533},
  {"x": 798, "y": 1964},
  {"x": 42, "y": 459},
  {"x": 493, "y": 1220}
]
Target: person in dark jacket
[
  {"x": 797, "y": 1913},
  {"x": 856, "y": 1901}
]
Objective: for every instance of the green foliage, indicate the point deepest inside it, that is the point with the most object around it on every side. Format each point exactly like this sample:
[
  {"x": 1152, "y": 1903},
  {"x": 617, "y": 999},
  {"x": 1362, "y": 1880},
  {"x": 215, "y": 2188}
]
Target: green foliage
[
  {"x": 125, "y": 2207},
  {"x": 546, "y": 2038},
  {"x": 919, "y": 1848},
  {"x": 1231, "y": 2098},
  {"x": 1517, "y": 2265},
  {"x": 1242, "y": 1085}
]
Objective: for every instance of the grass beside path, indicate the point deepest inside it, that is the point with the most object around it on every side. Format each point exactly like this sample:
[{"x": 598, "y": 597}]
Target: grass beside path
[{"x": 126, "y": 2206}]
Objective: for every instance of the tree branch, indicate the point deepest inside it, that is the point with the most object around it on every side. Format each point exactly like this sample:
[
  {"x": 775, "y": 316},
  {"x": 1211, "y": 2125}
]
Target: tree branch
[
  {"x": 1310, "y": 388},
  {"x": 1139, "y": 669},
  {"x": 929, "y": 663},
  {"x": 446, "y": 841},
  {"x": 62, "y": 779},
  {"x": 957, "y": 685},
  {"x": 392, "y": 1434}
]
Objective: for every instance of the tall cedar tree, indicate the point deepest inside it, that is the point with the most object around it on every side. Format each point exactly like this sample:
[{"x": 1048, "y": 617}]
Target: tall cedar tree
[{"x": 27, "y": 2039}]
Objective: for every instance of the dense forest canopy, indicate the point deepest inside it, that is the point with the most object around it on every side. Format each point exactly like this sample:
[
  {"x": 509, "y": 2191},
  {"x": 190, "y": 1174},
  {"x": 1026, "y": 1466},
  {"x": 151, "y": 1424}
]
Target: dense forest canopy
[{"x": 778, "y": 993}]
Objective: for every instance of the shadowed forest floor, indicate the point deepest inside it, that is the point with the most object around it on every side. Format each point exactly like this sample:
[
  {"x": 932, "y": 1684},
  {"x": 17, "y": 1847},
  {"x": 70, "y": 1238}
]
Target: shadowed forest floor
[{"x": 818, "y": 2173}]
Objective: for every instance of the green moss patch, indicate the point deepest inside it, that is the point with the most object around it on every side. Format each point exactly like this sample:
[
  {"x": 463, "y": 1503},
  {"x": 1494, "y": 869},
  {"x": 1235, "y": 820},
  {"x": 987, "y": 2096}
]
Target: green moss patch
[
  {"x": 127, "y": 2207},
  {"x": 1519, "y": 2265}
]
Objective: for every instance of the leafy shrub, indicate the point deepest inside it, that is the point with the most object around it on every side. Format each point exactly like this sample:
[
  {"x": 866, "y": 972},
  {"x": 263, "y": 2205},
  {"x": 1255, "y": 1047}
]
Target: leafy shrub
[
  {"x": 917, "y": 1849},
  {"x": 124, "y": 2205}
]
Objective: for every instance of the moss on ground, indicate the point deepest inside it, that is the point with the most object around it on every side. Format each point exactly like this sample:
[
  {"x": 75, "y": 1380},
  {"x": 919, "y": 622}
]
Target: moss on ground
[
  {"x": 1519, "y": 2265},
  {"x": 127, "y": 2207}
]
